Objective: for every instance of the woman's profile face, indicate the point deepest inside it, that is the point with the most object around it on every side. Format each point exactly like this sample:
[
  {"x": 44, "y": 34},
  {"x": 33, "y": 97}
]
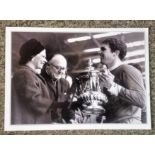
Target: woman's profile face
[{"x": 39, "y": 59}]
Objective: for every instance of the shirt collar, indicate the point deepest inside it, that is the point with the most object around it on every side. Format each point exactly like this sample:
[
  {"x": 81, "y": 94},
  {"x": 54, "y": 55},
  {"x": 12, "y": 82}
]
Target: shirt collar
[{"x": 117, "y": 64}]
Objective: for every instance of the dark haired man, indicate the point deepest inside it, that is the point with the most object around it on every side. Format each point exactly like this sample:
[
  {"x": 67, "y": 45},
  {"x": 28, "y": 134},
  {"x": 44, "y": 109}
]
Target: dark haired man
[{"x": 123, "y": 84}]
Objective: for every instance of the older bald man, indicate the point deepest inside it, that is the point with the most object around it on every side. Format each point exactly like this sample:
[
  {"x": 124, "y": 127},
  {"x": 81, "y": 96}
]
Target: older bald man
[{"x": 54, "y": 72}]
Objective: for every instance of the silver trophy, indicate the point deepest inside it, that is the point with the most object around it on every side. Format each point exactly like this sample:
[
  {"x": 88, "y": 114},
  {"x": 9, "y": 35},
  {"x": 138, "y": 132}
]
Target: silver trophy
[{"x": 88, "y": 93}]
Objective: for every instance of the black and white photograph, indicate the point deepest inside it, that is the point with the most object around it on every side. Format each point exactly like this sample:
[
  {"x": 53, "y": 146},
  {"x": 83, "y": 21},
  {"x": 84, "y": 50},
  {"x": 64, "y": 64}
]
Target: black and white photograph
[{"x": 77, "y": 78}]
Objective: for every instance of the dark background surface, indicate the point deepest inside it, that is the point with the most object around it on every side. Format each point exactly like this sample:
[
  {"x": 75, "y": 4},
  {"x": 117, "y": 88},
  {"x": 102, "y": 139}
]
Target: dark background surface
[
  {"x": 74, "y": 52},
  {"x": 57, "y": 42}
]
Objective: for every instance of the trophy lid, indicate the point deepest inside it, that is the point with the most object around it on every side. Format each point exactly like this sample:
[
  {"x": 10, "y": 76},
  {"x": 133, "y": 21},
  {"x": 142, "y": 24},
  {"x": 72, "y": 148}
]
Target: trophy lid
[{"x": 87, "y": 68}]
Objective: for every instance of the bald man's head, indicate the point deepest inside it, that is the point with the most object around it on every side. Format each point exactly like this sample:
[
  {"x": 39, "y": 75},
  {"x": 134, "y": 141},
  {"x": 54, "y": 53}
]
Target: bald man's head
[
  {"x": 59, "y": 60},
  {"x": 58, "y": 66}
]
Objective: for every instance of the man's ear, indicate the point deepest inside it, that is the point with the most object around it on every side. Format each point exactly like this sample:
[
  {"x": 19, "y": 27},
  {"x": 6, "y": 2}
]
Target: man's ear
[{"x": 117, "y": 52}]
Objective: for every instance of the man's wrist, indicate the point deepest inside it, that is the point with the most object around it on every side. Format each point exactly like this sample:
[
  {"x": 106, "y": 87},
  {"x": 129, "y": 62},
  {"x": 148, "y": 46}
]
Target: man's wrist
[{"x": 115, "y": 89}]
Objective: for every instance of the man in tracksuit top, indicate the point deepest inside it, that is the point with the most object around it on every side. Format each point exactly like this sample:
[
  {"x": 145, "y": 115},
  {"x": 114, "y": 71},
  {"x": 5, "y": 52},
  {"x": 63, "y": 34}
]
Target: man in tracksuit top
[{"x": 122, "y": 83}]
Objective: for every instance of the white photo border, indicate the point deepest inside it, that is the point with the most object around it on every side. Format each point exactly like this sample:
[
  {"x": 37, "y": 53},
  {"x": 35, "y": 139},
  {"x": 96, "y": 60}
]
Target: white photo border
[{"x": 8, "y": 52}]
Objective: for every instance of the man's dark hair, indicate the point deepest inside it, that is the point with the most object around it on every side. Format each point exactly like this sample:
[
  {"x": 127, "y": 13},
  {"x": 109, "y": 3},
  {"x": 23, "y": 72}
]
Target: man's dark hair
[{"x": 116, "y": 44}]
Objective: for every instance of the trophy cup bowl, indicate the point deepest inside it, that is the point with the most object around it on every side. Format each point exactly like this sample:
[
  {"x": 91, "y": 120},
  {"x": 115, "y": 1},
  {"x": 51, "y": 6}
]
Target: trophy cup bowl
[
  {"x": 93, "y": 102},
  {"x": 89, "y": 94}
]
